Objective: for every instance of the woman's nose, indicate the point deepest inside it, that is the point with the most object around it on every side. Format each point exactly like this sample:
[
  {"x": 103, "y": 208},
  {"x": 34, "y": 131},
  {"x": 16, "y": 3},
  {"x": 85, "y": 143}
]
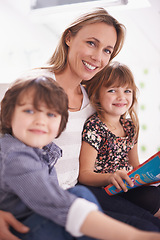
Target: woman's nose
[{"x": 97, "y": 56}]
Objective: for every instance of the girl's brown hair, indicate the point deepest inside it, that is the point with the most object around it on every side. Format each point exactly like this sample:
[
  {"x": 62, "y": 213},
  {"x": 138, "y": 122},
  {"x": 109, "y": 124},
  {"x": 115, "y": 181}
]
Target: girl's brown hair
[
  {"x": 114, "y": 75},
  {"x": 59, "y": 58},
  {"x": 45, "y": 90}
]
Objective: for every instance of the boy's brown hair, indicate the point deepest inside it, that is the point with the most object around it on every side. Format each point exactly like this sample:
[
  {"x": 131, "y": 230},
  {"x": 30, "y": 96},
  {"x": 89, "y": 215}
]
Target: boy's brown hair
[{"x": 46, "y": 90}]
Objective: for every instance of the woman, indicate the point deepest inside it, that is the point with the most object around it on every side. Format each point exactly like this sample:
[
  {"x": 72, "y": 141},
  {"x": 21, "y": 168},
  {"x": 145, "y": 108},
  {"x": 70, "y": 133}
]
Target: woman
[{"x": 85, "y": 48}]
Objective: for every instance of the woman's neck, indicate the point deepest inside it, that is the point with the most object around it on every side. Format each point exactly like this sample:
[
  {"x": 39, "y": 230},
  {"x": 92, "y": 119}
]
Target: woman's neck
[{"x": 72, "y": 88}]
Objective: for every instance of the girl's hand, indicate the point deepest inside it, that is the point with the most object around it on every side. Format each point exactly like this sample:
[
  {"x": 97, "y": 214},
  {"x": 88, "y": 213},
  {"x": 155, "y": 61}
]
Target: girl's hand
[
  {"x": 8, "y": 220},
  {"x": 117, "y": 177}
]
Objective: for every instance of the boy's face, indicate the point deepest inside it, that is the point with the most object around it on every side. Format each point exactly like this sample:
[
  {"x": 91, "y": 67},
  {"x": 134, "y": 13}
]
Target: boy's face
[{"x": 36, "y": 128}]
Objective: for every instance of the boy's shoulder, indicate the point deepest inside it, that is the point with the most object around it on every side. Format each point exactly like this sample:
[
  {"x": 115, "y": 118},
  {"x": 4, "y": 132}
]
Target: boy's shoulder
[
  {"x": 8, "y": 141},
  {"x": 11, "y": 146}
]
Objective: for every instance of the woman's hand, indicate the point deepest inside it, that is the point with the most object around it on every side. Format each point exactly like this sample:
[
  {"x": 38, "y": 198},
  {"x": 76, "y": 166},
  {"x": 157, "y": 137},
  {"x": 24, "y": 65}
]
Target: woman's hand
[
  {"x": 8, "y": 220},
  {"x": 117, "y": 177}
]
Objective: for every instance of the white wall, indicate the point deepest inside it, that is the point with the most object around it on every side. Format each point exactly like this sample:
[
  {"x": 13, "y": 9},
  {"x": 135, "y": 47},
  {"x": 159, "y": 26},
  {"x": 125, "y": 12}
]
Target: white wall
[
  {"x": 141, "y": 53},
  {"x": 26, "y": 43}
]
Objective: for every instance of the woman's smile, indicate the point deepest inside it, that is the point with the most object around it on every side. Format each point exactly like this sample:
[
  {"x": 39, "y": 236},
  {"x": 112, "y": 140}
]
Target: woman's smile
[
  {"x": 89, "y": 66},
  {"x": 89, "y": 51}
]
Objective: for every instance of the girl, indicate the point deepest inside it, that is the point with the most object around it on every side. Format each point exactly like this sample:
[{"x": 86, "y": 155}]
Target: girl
[{"x": 110, "y": 137}]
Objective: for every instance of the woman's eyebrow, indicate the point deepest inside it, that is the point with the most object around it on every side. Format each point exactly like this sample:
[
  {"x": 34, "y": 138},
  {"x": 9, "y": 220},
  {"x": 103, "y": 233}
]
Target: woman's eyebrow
[{"x": 97, "y": 40}]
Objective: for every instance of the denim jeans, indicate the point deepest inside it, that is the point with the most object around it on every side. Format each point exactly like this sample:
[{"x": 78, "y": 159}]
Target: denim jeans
[
  {"x": 126, "y": 211},
  {"x": 147, "y": 197},
  {"x": 44, "y": 229}
]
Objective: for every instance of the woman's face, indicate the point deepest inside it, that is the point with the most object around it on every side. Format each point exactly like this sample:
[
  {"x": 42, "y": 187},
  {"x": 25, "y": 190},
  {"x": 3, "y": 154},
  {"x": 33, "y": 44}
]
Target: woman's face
[{"x": 90, "y": 50}]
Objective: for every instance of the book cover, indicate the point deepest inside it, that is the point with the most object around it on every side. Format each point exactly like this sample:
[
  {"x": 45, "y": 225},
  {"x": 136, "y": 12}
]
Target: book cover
[{"x": 146, "y": 173}]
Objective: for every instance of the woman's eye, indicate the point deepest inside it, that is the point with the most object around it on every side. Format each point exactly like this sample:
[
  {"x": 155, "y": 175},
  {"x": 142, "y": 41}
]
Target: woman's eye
[
  {"x": 91, "y": 43},
  {"x": 108, "y": 51}
]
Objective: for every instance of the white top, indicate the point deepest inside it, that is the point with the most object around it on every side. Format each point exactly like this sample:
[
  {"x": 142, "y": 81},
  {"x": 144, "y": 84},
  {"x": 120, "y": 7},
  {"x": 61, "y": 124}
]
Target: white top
[{"x": 69, "y": 141}]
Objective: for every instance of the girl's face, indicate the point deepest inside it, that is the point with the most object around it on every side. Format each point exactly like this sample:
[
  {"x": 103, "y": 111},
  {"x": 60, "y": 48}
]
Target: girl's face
[
  {"x": 89, "y": 51},
  {"x": 116, "y": 101},
  {"x": 36, "y": 128}
]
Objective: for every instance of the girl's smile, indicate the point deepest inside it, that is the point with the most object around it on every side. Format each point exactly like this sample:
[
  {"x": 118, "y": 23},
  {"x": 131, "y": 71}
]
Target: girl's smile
[{"x": 116, "y": 100}]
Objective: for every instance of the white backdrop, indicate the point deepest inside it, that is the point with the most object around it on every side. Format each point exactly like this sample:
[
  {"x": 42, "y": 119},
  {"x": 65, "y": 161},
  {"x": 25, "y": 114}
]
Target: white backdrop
[{"x": 26, "y": 43}]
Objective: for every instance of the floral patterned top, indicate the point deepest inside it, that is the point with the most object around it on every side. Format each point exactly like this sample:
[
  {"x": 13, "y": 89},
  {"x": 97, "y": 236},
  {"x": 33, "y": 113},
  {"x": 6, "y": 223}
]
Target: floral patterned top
[{"x": 112, "y": 150}]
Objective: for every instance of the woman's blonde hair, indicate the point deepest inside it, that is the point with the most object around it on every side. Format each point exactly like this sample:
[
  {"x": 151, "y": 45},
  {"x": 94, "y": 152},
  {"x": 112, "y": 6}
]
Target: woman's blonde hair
[
  {"x": 114, "y": 75},
  {"x": 59, "y": 58}
]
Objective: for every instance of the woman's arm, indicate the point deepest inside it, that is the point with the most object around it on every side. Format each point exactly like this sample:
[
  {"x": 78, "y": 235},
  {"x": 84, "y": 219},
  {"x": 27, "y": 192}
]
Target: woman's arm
[
  {"x": 87, "y": 175},
  {"x": 100, "y": 226},
  {"x": 133, "y": 156},
  {"x": 96, "y": 225}
]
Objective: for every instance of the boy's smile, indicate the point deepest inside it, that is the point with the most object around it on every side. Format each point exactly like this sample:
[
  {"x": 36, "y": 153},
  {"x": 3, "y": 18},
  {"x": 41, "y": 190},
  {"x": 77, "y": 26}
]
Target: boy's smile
[{"x": 35, "y": 128}]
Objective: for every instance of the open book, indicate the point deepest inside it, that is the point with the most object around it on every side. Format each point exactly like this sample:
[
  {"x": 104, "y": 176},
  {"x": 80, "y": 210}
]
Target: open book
[{"x": 145, "y": 174}]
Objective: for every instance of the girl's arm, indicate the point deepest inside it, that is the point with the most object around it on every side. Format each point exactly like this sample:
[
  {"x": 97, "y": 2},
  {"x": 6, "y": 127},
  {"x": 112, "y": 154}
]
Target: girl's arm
[
  {"x": 101, "y": 226},
  {"x": 133, "y": 156},
  {"x": 87, "y": 175}
]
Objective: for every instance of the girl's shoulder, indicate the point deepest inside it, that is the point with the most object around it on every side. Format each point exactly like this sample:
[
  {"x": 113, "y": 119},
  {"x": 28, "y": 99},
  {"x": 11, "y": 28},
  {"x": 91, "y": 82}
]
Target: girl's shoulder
[
  {"x": 128, "y": 126},
  {"x": 127, "y": 122},
  {"x": 93, "y": 119},
  {"x": 94, "y": 124}
]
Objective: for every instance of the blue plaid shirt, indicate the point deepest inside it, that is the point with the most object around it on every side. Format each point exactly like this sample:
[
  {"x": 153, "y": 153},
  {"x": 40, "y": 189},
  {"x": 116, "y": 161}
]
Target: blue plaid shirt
[{"x": 28, "y": 181}]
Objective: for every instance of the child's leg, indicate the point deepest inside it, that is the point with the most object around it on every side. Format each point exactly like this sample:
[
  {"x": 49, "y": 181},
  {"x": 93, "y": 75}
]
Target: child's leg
[
  {"x": 83, "y": 192},
  {"x": 135, "y": 221},
  {"x": 157, "y": 214},
  {"x": 41, "y": 229},
  {"x": 125, "y": 211},
  {"x": 147, "y": 197}
]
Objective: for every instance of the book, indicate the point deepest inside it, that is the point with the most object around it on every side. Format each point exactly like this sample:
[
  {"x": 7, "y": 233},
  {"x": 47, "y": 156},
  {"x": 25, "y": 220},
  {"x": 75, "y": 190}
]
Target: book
[{"x": 146, "y": 173}]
